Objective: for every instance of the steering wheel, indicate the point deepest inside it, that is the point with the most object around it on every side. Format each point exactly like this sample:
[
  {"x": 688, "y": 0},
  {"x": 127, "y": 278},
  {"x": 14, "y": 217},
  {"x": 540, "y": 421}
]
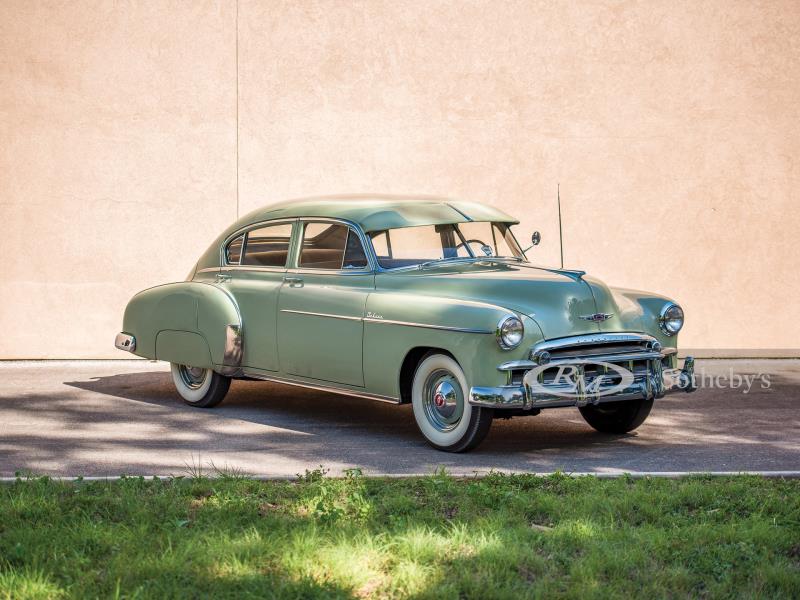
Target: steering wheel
[{"x": 475, "y": 241}]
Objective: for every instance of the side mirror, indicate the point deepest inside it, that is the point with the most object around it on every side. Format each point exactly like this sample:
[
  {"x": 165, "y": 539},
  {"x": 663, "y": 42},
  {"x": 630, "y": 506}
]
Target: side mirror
[{"x": 536, "y": 237}]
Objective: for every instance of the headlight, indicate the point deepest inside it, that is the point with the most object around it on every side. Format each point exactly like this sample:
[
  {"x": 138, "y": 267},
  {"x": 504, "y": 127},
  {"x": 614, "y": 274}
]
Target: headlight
[
  {"x": 510, "y": 331},
  {"x": 671, "y": 319}
]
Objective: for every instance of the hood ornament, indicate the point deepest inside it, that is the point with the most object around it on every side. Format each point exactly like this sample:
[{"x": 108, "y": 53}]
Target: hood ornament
[{"x": 597, "y": 317}]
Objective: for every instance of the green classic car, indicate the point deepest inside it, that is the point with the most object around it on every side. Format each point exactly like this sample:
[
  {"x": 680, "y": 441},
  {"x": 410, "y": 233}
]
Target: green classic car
[{"x": 422, "y": 300}]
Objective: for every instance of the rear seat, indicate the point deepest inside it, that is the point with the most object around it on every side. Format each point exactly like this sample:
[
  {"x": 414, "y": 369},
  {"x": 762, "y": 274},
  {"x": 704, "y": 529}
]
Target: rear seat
[
  {"x": 266, "y": 258},
  {"x": 321, "y": 258}
]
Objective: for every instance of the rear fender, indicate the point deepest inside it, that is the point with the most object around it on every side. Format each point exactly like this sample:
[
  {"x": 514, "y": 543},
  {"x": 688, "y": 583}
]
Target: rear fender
[{"x": 190, "y": 323}]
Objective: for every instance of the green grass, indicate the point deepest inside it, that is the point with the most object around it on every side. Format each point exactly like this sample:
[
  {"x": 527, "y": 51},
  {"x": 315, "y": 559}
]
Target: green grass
[{"x": 431, "y": 537}]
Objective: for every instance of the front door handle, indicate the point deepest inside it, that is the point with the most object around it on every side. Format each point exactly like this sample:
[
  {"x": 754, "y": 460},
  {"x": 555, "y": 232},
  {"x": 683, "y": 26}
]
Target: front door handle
[
  {"x": 294, "y": 281},
  {"x": 222, "y": 277}
]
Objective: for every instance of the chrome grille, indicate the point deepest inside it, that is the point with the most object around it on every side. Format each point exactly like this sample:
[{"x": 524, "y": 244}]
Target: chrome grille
[{"x": 603, "y": 349}]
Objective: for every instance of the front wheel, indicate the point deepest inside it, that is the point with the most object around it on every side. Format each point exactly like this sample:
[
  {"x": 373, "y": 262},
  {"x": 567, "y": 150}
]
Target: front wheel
[
  {"x": 441, "y": 408},
  {"x": 617, "y": 417},
  {"x": 199, "y": 387}
]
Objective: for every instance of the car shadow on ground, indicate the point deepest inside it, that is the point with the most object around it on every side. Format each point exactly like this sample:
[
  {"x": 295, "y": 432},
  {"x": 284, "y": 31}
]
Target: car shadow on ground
[
  {"x": 280, "y": 405},
  {"x": 315, "y": 412},
  {"x": 136, "y": 423}
]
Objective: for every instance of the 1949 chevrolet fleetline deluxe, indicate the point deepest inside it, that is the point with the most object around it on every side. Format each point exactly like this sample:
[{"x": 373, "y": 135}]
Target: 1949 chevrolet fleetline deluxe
[{"x": 427, "y": 301}]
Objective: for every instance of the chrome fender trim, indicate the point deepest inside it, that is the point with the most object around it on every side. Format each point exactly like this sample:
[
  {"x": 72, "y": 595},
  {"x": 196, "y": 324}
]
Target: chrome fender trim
[{"x": 234, "y": 351}]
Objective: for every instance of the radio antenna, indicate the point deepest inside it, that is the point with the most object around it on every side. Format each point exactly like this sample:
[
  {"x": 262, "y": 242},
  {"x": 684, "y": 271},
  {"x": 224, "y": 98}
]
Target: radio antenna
[{"x": 560, "y": 235}]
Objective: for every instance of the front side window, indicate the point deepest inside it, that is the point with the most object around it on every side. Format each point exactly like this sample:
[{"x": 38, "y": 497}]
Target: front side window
[
  {"x": 331, "y": 246},
  {"x": 267, "y": 246},
  {"x": 409, "y": 246},
  {"x": 484, "y": 237}
]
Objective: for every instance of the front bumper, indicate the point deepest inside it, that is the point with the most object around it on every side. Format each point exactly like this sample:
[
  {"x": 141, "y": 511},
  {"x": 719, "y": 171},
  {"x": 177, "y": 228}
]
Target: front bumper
[{"x": 649, "y": 383}]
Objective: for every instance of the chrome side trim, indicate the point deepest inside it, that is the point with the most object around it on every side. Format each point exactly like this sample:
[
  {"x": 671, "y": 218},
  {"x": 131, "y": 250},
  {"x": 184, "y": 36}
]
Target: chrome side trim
[
  {"x": 427, "y": 326},
  {"x": 126, "y": 342},
  {"x": 252, "y": 268},
  {"x": 387, "y": 321},
  {"x": 321, "y": 387},
  {"x": 316, "y": 314},
  {"x": 331, "y": 272},
  {"x": 233, "y": 353}
]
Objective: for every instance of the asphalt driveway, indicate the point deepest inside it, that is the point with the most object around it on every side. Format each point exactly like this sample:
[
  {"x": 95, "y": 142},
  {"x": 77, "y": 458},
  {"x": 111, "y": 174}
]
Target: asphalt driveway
[{"x": 104, "y": 418}]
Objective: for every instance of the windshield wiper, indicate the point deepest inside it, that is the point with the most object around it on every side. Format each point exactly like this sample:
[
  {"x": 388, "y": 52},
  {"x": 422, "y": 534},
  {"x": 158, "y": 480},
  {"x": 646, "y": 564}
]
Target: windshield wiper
[
  {"x": 516, "y": 258},
  {"x": 464, "y": 259},
  {"x": 454, "y": 259}
]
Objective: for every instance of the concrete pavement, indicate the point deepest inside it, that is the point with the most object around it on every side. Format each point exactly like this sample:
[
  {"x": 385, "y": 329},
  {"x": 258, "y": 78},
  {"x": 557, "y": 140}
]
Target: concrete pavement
[{"x": 105, "y": 418}]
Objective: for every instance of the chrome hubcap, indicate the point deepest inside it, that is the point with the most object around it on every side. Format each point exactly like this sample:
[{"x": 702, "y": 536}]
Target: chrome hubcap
[
  {"x": 193, "y": 377},
  {"x": 443, "y": 400}
]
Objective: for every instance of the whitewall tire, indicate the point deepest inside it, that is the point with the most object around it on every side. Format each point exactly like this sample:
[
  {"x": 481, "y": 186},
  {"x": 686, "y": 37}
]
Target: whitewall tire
[
  {"x": 439, "y": 397},
  {"x": 198, "y": 386}
]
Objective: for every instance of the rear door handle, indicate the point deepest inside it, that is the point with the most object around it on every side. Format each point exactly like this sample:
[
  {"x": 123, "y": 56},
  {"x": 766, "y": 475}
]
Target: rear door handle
[
  {"x": 221, "y": 277},
  {"x": 294, "y": 281}
]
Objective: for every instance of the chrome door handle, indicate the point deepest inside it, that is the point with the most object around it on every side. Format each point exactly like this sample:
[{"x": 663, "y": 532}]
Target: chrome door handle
[
  {"x": 223, "y": 277},
  {"x": 293, "y": 281}
]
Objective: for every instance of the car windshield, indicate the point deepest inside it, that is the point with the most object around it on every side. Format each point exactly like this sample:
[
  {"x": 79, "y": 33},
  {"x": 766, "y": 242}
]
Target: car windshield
[{"x": 414, "y": 246}]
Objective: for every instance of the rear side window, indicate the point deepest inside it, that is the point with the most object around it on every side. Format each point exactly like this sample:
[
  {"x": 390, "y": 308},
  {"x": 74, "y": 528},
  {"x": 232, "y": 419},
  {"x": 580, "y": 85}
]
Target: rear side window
[
  {"x": 233, "y": 253},
  {"x": 331, "y": 246},
  {"x": 268, "y": 246}
]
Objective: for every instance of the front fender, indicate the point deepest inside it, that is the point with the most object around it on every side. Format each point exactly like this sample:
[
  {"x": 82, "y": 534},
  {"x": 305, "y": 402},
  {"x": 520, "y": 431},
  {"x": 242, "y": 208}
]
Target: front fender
[
  {"x": 639, "y": 311},
  {"x": 397, "y": 323},
  {"x": 191, "y": 323}
]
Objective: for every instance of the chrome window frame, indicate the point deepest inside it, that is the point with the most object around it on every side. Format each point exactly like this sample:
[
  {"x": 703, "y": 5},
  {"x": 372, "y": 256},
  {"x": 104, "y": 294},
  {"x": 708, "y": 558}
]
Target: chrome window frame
[
  {"x": 380, "y": 269},
  {"x": 245, "y": 230},
  {"x": 241, "y": 250},
  {"x": 294, "y": 259},
  {"x": 291, "y": 259}
]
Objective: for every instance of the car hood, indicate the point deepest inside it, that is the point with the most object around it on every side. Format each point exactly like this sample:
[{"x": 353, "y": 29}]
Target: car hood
[{"x": 557, "y": 300}]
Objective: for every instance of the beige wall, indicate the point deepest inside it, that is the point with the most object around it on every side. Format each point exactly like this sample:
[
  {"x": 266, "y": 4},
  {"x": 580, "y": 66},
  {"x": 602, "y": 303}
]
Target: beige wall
[{"x": 672, "y": 127}]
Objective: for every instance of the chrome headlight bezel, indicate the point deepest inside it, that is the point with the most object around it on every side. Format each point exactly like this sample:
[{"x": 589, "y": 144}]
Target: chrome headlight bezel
[
  {"x": 668, "y": 315},
  {"x": 508, "y": 326}
]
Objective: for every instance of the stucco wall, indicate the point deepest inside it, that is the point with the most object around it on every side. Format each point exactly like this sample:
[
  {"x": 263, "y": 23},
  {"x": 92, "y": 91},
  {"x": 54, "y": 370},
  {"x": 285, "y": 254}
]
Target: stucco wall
[{"x": 672, "y": 127}]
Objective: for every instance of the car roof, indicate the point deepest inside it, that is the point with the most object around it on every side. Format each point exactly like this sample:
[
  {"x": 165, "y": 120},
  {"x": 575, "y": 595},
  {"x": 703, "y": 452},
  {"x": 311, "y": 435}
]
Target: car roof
[{"x": 376, "y": 212}]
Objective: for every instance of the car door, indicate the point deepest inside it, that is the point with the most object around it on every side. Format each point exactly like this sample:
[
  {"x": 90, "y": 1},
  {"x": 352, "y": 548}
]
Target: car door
[
  {"x": 321, "y": 304},
  {"x": 253, "y": 269}
]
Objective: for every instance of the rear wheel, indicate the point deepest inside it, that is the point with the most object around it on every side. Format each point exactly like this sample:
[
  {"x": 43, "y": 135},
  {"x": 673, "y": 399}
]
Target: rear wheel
[
  {"x": 199, "y": 387},
  {"x": 617, "y": 417},
  {"x": 441, "y": 408}
]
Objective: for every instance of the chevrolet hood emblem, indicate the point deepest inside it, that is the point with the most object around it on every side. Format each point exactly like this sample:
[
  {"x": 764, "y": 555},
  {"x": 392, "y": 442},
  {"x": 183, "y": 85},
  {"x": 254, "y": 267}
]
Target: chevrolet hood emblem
[{"x": 597, "y": 317}]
